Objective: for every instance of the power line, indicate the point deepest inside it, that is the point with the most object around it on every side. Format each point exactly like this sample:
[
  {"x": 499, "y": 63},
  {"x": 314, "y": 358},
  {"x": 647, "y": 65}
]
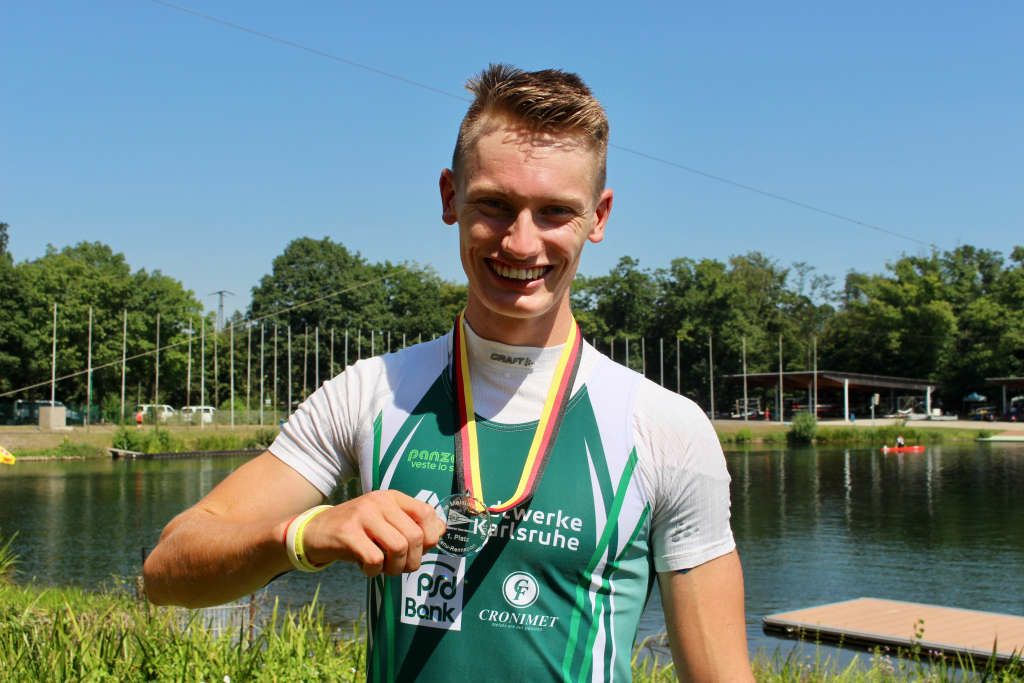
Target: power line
[
  {"x": 629, "y": 150},
  {"x": 773, "y": 195},
  {"x": 251, "y": 321},
  {"x": 306, "y": 48}
]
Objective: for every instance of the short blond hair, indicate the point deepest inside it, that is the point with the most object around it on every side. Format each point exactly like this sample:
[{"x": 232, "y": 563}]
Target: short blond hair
[{"x": 548, "y": 101}]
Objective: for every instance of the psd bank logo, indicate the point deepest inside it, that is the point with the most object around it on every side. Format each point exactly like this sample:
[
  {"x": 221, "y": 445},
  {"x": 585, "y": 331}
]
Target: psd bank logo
[
  {"x": 520, "y": 589},
  {"x": 432, "y": 595}
]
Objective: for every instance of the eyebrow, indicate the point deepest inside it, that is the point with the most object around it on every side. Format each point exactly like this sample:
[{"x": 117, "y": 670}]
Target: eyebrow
[{"x": 487, "y": 189}]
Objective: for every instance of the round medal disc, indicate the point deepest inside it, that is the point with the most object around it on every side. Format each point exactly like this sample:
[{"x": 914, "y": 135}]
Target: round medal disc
[{"x": 468, "y": 525}]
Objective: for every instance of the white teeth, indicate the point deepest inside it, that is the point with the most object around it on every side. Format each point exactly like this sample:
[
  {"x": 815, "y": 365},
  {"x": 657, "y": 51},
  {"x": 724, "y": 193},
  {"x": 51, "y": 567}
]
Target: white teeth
[{"x": 517, "y": 273}]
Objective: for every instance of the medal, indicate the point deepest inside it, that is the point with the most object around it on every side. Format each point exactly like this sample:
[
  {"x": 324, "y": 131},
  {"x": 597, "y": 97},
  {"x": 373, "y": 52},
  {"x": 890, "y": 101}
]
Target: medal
[
  {"x": 467, "y": 524},
  {"x": 467, "y": 452}
]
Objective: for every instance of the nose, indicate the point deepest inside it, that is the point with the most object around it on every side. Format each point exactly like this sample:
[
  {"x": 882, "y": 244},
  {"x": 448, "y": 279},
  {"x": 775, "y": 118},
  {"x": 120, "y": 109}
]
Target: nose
[{"x": 522, "y": 239}]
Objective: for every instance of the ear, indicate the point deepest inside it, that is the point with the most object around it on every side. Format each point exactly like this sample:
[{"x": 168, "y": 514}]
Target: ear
[
  {"x": 447, "y": 185},
  {"x": 601, "y": 213}
]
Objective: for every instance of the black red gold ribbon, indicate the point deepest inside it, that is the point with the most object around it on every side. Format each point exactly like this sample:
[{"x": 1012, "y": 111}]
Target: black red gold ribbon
[{"x": 467, "y": 447}]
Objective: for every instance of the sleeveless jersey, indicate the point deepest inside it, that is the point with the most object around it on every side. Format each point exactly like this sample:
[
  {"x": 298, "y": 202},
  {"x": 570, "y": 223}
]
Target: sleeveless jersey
[{"x": 557, "y": 591}]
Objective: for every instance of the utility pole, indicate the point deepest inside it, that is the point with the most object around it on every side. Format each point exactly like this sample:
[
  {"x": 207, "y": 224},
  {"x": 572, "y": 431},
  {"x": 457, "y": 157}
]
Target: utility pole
[{"x": 220, "y": 306}]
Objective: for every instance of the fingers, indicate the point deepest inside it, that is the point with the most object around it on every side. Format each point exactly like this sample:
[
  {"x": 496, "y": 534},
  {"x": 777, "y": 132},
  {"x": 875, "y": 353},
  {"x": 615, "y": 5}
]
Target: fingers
[{"x": 382, "y": 531}]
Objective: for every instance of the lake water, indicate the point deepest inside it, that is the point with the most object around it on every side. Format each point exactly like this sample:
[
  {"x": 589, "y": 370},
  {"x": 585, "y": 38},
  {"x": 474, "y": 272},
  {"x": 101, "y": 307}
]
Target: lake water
[{"x": 813, "y": 526}]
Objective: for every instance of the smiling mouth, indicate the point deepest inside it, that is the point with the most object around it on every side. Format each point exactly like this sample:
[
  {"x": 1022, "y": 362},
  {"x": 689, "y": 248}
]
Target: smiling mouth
[{"x": 518, "y": 274}]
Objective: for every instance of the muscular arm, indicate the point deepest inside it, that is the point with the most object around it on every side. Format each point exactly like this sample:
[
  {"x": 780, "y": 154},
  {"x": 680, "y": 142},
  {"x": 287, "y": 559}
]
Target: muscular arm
[
  {"x": 230, "y": 543},
  {"x": 705, "y": 619}
]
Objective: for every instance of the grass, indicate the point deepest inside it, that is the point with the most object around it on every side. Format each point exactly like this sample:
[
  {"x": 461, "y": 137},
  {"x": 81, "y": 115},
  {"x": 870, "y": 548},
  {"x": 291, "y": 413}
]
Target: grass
[
  {"x": 94, "y": 443},
  {"x": 879, "y": 436},
  {"x": 8, "y": 559},
  {"x": 59, "y": 634},
  {"x": 802, "y": 432},
  {"x": 165, "y": 441}
]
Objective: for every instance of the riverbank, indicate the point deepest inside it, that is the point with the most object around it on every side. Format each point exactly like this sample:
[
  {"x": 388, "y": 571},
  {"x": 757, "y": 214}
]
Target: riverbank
[
  {"x": 28, "y": 442},
  {"x": 67, "y": 633}
]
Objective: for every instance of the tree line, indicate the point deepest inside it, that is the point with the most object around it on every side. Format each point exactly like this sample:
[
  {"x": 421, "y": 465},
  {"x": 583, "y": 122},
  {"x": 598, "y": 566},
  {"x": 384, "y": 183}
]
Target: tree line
[{"x": 953, "y": 317}]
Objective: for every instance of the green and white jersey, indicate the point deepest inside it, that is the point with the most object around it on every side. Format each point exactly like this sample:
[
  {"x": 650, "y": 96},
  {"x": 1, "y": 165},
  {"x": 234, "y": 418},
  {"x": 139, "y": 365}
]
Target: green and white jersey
[{"x": 636, "y": 484}]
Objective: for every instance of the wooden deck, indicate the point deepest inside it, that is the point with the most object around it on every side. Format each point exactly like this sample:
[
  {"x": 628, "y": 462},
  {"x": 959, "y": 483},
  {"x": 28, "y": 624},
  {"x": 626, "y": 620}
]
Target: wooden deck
[{"x": 870, "y": 622}]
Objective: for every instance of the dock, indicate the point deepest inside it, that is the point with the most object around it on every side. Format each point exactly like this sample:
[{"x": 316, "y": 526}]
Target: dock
[{"x": 871, "y": 622}]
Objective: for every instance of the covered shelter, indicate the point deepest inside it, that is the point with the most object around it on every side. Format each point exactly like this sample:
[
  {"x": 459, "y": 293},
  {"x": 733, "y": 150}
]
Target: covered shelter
[
  {"x": 1007, "y": 384},
  {"x": 835, "y": 381}
]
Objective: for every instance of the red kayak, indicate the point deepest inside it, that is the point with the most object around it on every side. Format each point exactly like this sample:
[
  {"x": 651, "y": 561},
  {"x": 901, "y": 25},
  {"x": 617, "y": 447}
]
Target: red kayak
[{"x": 903, "y": 449}]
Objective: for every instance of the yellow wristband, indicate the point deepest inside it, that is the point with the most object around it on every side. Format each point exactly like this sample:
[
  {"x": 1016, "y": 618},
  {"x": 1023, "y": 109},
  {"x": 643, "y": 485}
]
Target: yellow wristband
[{"x": 293, "y": 540}]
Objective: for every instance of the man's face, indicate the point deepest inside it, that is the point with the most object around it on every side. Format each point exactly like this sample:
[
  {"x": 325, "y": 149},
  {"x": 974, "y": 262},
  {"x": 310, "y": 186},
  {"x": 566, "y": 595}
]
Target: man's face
[{"x": 525, "y": 205}]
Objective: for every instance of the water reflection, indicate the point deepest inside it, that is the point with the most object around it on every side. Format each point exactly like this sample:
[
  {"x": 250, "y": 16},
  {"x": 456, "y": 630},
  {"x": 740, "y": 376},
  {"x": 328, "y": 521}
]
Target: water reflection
[
  {"x": 813, "y": 526},
  {"x": 820, "y": 526}
]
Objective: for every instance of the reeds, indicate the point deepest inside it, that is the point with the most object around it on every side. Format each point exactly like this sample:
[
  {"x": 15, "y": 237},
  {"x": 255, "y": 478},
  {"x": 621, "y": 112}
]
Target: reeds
[{"x": 68, "y": 634}]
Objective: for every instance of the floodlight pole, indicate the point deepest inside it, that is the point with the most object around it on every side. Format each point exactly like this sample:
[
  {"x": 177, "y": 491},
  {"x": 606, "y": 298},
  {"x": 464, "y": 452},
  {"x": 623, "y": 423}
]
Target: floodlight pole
[
  {"x": 745, "y": 409},
  {"x": 53, "y": 361},
  {"x": 124, "y": 358}
]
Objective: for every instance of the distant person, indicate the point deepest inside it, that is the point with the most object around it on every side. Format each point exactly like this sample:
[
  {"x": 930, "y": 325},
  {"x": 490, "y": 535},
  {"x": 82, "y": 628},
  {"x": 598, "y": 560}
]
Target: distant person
[
  {"x": 557, "y": 526},
  {"x": 139, "y": 416},
  {"x": 900, "y": 442}
]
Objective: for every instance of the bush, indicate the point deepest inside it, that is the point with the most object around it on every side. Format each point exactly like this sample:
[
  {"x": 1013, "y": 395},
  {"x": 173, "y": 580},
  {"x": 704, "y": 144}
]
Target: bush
[
  {"x": 744, "y": 435},
  {"x": 803, "y": 429},
  {"x": 67, "y": 449},
  {"x": 261, "y": 439},
  {"x": 146, "y": 441}
]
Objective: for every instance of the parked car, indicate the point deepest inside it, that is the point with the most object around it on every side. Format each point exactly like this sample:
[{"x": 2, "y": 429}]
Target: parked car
[
  {"x": 205, "y": 413},
  {"x": 27, "y": 412},
  {"x": 157, "y": 411},
  {"x": 986, "y": 413}
]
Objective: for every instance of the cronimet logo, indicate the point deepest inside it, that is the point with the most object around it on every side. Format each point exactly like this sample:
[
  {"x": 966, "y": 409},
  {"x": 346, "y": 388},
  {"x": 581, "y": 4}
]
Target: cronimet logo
[{"x": 520, "y": 589}]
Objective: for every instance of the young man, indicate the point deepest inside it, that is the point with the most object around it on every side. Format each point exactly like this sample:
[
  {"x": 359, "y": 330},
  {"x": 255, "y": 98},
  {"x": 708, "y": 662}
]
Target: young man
[{"x": 567, "y": 481}]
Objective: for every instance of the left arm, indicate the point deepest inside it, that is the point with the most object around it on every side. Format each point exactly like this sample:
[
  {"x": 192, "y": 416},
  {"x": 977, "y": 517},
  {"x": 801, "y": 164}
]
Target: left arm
[{"x": 705, "y": 619}]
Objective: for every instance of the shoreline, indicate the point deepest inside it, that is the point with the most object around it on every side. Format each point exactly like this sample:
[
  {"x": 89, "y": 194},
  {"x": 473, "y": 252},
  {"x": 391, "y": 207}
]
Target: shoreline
[{"x": 30, "y": 443}]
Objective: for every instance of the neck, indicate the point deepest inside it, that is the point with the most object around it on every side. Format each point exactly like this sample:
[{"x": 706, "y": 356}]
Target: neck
[{"x": 548, "y": 329}]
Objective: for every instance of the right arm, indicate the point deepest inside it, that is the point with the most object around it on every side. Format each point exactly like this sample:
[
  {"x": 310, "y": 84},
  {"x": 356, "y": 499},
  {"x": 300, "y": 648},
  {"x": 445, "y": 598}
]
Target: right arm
[{"x": 231, "y": 542}]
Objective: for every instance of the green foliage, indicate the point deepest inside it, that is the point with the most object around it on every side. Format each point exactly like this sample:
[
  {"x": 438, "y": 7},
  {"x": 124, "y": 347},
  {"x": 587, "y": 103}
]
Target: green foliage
[
  {"x": 802, "y": 430},
  {"x": 150, "y": 440},
  {"x": 69, "y": 634},
  {"x": 345, "y": 291},
  {"x": 262, "y": 438},
  {"x": 89, "y": 274},
  {"x": 953, "y": 317},
  {"x": 115, "y": 639},
  {"x": 8, "y": 558},
  {"x": 147, "y": 440},
  {"x": 70, "y": 449},
  {"x": 741, "y": 436}
]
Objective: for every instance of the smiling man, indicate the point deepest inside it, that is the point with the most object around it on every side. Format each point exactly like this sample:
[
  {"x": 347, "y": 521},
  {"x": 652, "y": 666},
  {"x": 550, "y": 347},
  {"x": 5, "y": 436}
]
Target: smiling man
[{"x": 523, "y": 491}]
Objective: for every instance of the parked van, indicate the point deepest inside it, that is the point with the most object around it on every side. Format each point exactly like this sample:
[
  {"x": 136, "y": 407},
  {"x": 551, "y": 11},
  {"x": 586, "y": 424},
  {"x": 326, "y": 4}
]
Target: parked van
[
  {"x": 198, "y": 414},
  {"x": 158, "y": 411}
]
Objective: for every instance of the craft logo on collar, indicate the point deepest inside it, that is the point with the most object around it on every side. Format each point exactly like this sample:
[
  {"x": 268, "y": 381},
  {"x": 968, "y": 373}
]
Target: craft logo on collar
[{"x": 525, "y": 361}]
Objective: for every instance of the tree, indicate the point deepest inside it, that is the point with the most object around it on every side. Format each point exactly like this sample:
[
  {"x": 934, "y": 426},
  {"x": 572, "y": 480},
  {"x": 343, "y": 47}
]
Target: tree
[{"x": 89, "y": 274}]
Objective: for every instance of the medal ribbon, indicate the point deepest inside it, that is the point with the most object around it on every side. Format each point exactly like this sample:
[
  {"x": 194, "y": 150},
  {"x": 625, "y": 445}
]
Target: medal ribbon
[{"x": 467, "y": 448}]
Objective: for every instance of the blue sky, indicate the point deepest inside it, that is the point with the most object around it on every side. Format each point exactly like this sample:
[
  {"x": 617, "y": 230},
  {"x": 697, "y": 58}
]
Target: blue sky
[{"x": 201, "y": 151}]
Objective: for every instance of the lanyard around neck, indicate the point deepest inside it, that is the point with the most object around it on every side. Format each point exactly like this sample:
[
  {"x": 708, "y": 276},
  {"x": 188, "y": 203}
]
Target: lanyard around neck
[{"x": 467, "y": 447}]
